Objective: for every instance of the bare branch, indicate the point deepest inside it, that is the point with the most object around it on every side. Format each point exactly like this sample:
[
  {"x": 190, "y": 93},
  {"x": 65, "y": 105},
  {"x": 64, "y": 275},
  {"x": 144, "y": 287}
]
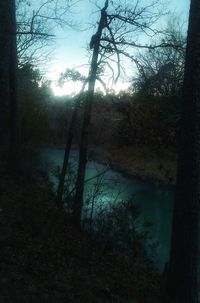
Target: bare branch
[
  {"x": 128, "y": 21},
  {"x": 102, "y": 83},
  {"x": 117, "y": 53},
  {"x": 133, "y": 44},
  {"x": 34, "y": 33},
  {"x": 35, "y": 27}
]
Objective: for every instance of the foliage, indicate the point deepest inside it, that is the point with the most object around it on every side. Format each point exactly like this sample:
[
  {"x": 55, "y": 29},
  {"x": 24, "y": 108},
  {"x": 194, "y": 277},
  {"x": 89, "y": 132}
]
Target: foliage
[
  {"x": 117, "y": 221},
  {"x": 71, "y": 74},
  {"x": 122, "y": 119},
  {"x": 153, "y": 122},
  {"x": 122, "y": 224},
  {"x": 34, "y": 97}
]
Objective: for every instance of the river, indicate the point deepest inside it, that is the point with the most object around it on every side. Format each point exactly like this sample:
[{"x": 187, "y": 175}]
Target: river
[{"x": 155, "y": 201}]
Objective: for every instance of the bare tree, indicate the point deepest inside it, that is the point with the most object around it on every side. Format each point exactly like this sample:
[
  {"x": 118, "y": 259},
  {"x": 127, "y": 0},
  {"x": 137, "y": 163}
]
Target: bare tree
[
  {"x": 112, "y": 39},
  {"x": 95, "y": 44},
  {"x": 36, "y": 26},
  {"x": 161, "y": 70},
  {"x": 128, "y": 25}
]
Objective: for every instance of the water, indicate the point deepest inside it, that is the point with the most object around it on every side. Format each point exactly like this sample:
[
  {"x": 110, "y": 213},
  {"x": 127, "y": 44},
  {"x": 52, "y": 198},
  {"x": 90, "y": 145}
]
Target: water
[{"x": 156, "y": 201}]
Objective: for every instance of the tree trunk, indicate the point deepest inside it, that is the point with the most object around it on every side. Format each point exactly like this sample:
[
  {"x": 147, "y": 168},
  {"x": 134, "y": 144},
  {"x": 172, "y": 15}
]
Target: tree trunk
[
  {"x": 4, "y": 70},
  {"x": 8, "y": 77},
  {"x": 68, "y": 145},
  {"x": 78, "y": 204},
  {"x": 13, "y": 82},
  {"x": 182, "y": 274},
  {"x": 70, "y": 137}
]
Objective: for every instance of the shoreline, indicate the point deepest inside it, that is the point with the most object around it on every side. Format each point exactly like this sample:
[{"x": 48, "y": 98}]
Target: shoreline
[{"x": 133, "y": 161}]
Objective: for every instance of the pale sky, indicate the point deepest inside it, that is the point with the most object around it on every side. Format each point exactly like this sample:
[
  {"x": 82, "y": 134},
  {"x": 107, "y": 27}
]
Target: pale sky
[{"x": 70, "y": 48}]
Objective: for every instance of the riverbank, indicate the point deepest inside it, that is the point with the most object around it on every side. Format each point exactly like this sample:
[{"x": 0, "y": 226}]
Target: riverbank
[
  {"x": 138, "y": 161},
  {"x": 132, "y": 161}
]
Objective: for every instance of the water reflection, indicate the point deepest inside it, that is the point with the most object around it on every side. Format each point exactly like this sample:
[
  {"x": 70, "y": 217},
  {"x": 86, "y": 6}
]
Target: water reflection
[{"x": 155, "y": 200}]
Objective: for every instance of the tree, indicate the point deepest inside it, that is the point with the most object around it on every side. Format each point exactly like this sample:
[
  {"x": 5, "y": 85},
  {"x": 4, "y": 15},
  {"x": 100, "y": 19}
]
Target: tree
[
  {"x": 111, "y": 40},
  {"x": 127, "y": 26},
  {"x": 35, "y": 95},
  {"x": 4, "y": 67},
  {"x": 182, "y": 274},
  {"x": 8, "y": 76},
  {"x": 36, "y": 24},
  {"x": 75, "y": 76},
  {"x": 13, "y": 81},
  {"x": 78, "y": 204},
  {"x": 28, "y": 34},
  {"x": 160, "y": 70}
]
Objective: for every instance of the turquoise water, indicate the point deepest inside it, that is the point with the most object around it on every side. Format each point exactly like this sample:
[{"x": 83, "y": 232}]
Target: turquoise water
[{"x": 155, "y": 201}]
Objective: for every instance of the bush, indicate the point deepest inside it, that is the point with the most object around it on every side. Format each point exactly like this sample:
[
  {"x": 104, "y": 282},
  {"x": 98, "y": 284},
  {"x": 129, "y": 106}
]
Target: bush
[
  {"x": 119, "y": 222},
  {"x": 154, "y": 122},
  {"x": 121, "y": 225}
]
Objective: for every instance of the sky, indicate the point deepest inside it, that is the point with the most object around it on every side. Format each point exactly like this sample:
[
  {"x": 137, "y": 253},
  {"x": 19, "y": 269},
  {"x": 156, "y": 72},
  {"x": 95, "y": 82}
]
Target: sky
[{"x": 70, "y": 49}]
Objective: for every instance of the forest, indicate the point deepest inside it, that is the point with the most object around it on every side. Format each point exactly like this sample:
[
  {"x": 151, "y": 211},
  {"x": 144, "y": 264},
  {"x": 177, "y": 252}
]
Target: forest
[{"x": 100, "y": 186}]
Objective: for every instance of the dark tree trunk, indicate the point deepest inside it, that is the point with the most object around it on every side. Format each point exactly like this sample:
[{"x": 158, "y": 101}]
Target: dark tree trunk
[
  {"x": 4, "y": 70},
  {"x": 182, "y": 274},
  {"x": 9, "y": 117},
  {"x": 78, "y": 203},
  {"x": 95, "y": 43},
  {"x": 13, "y": 82},
  {"x": 70, "y": 137}
]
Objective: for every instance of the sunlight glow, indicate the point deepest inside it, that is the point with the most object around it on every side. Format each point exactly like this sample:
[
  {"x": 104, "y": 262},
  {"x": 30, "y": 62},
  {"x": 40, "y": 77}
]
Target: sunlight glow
[
  {"x": 68, "y": 88},
  {"x": 71, "y": 88}
]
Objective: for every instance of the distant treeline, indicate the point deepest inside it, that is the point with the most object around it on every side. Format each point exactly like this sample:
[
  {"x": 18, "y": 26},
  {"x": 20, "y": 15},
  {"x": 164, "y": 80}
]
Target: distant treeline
[{"x": 117, "y": 119}]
